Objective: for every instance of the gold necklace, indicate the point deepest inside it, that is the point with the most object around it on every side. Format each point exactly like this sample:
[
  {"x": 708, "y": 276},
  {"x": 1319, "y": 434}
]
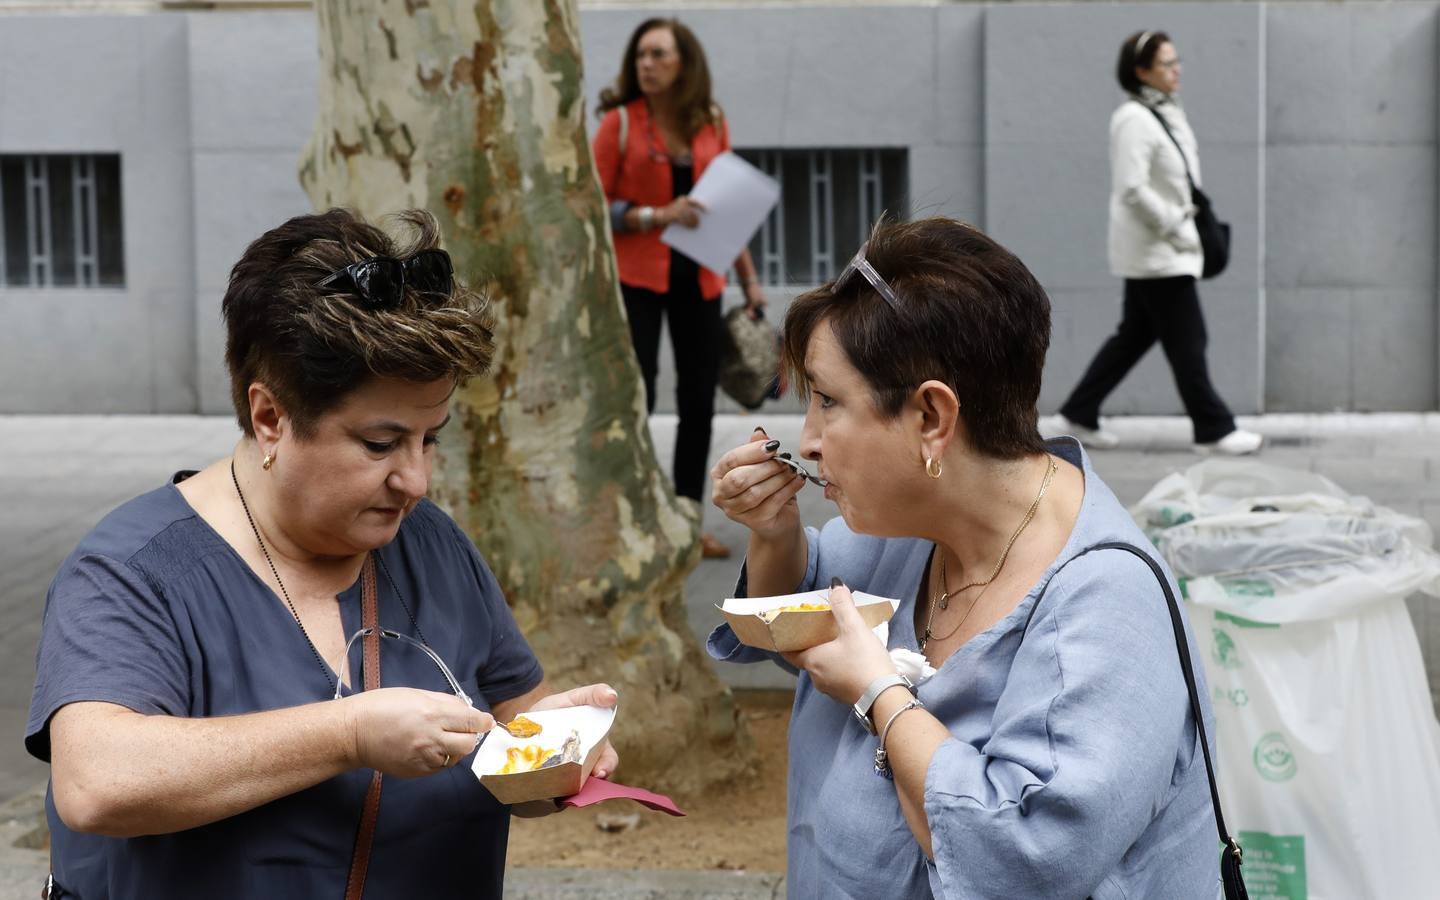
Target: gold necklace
[{"x": 942, "y": 600}]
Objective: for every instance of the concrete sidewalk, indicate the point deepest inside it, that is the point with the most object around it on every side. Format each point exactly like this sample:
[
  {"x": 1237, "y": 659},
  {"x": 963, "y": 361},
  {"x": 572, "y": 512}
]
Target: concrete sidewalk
[{"x": 63, "y": 473}]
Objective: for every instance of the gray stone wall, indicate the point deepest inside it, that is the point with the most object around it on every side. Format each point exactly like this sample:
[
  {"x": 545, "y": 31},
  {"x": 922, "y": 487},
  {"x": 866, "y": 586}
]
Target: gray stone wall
[
  {"x": 1350, "y": 104},
  {"x": 110, "y": 349},
  {"x": 252, "y": 105},
  {"x": 1317, "y": 125}
]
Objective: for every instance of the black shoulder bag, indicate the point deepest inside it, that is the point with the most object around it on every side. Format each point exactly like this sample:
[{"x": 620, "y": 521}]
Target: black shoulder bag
[
  {"x": 1214, "y": 234},
  {"x": 1230, "y": 855}
]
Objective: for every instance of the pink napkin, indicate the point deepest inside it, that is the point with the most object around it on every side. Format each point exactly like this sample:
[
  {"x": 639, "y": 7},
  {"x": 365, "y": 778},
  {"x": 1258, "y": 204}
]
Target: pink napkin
[{"x": 598, "y": 789}]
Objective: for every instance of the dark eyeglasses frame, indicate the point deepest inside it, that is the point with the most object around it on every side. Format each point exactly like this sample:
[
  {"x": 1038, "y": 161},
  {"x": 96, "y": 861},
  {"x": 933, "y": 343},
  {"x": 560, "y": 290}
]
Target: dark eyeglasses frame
[{"x": 359, "y": 278}]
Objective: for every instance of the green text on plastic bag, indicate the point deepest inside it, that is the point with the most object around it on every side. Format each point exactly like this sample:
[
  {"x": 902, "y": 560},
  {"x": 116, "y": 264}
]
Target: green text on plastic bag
[{"x": 1274, "y": 865}]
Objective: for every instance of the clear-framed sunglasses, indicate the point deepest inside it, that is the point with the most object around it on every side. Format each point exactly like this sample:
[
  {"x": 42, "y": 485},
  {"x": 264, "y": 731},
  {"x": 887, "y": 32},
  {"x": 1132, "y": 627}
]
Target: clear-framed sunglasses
[
  {"x": 407, "y": 639},
  {"x": 862, "y": 265}
]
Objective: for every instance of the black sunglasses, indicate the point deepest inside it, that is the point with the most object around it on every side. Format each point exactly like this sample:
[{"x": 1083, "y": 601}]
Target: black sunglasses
[{"x": 381, "y": 280}]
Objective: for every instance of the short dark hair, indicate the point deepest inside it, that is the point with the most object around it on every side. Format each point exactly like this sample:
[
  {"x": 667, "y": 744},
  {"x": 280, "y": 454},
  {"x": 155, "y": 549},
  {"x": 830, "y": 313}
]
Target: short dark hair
[
  {"x": 1138, "y": 52},
  {"x": 311, "y": 346},
  {"x": 971, "y": 315},
  {"x": 693, "y": 100}
]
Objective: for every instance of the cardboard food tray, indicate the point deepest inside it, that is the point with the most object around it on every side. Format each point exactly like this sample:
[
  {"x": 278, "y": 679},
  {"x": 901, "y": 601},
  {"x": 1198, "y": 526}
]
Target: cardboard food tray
[
  {"x": 563, "y": 780},
  {"x": 796, "y": 629}
]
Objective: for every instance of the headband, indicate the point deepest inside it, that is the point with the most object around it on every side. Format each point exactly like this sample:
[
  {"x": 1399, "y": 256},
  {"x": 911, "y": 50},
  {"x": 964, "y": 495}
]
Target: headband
[{"x": 1142, "y": 40}]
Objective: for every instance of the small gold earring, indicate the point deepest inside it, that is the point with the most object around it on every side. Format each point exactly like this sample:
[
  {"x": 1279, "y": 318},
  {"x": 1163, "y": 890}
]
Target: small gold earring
[
  {"x": 932, "y": 467},
  {"x": 268, "y": 461}
]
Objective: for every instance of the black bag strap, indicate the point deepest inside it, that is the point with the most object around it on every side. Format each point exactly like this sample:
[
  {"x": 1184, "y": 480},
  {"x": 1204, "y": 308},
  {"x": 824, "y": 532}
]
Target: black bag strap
[
  {"x": 623, "y": 141},
  {"x": 1230, "y": 855},
  {"x": 1184, "y": 160}
]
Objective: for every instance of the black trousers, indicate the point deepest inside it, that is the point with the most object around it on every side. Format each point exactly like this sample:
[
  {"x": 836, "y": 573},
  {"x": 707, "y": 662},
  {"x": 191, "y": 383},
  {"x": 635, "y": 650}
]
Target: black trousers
[
  {"x": 695, "y": 332},
  {"x": 1167, "y": 310}
]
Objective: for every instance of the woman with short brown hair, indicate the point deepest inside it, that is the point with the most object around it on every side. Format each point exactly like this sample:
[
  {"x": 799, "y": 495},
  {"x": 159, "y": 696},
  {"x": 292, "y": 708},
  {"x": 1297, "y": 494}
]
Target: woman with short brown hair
[
  {"x": 1045, "y": 746},
  {"x": 193, "y": 642}
]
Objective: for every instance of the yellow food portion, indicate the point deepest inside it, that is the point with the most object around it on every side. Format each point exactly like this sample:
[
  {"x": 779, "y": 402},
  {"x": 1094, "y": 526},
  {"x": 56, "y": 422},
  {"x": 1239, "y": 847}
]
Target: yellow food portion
[
  {"x": 524, "y": 759},
  {"x": 770, "y": 614},
  {"x": 522, "y": 727}
]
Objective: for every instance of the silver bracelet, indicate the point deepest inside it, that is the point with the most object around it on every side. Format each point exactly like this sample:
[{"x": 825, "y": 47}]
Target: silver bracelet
[
  {"x": 647, "y": 218},
  {"x": 882, "y": 759},
  {"x": 872, "y": 693}
]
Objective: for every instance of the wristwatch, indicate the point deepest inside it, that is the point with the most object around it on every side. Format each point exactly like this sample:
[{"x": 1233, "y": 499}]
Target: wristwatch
[{"x": 866, "y": 702}]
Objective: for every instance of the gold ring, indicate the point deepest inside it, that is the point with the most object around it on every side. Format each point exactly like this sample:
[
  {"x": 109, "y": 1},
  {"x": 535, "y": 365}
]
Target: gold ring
[{"x": 446, "y": 762}]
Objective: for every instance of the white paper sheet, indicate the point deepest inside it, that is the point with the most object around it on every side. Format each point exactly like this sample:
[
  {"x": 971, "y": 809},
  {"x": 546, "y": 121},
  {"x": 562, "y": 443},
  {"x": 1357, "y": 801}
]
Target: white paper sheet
[{"x": 736, "y": 197}]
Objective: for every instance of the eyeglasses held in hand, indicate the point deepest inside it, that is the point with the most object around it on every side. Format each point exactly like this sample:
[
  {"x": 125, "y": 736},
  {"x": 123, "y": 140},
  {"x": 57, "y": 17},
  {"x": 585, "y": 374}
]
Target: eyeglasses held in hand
[
  {"x": 380, "y": 281},
  {"x": 862, "y": 265},
  {"x": 434, "y": 657}
]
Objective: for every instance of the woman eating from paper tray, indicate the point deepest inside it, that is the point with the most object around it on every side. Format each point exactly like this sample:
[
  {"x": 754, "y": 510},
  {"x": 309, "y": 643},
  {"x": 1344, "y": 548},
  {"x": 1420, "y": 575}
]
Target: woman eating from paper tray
[
  {"x": 1043, "y": 745},
  {"x": 194, "y": 641}
]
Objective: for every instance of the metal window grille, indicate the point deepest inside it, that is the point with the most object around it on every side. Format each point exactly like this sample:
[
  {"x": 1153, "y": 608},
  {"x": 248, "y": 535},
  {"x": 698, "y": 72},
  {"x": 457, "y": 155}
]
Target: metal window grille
[
  {"x": 770, "y": 253},
  {"x": 87, "y": 263},
  {"x": 829, "y": 200},
  {"x": 37, "y": 219},
  {"x": 60, "y": 221}
]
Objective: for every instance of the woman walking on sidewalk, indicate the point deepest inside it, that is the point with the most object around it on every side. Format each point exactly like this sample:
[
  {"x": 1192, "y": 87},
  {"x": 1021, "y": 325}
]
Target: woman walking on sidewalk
[{"x": 1155, "y": 247}]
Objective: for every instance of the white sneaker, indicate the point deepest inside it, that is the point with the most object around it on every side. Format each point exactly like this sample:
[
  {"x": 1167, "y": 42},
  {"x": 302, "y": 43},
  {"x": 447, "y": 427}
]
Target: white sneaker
[
  {"x": 1094, "y": 438},
  {"x": 1237, "y": 443}
]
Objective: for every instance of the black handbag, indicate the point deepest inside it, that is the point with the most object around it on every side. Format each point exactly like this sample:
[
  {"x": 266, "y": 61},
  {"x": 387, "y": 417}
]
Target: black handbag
[
  {"x": 1230, "y": 851},
  {"x": 1214, "y": 234}
]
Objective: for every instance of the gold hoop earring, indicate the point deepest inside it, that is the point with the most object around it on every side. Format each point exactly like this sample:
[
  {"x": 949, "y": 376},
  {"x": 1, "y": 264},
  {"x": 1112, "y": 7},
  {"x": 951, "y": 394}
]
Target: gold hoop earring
[
  {"x": 932, "y": 467},
  {"x": 268, "y": 461}
]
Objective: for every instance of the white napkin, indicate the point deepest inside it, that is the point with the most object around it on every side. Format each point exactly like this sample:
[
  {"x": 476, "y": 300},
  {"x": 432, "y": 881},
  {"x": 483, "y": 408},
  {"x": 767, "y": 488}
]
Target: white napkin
[{"x": 912, "y": 665}]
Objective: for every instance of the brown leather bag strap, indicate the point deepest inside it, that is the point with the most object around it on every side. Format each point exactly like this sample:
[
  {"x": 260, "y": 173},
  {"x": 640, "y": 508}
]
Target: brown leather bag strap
[{"x": 369, "y": 618}]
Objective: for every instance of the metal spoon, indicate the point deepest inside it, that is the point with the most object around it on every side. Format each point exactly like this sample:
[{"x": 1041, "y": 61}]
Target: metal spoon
[{"x": 785, "y": 458}]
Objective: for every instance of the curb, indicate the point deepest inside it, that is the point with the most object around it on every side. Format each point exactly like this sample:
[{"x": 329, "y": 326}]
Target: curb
[
  {"x": 23, "y": 872},
  {"x": 641, "y": 884}
]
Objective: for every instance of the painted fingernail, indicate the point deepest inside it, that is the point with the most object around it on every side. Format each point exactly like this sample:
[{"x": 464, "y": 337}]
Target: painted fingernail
[
  {"x": 771, "y": 446},
  {"x": 758, "y": 430},
  {"x": 785, "y": 455},
  {"x": 836, "y": 582}
]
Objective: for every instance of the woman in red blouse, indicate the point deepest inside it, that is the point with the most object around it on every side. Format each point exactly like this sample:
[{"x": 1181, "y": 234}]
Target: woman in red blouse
[{"x": 659, "y": 129}]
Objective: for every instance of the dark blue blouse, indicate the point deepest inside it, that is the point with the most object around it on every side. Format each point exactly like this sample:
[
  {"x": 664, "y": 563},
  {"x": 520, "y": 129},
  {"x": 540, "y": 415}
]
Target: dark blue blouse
[{"x": 157, "y": 613}]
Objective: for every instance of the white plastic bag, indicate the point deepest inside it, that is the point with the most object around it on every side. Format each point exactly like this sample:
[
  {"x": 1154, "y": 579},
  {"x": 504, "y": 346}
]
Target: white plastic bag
[{"x": 1329, "y": 752}]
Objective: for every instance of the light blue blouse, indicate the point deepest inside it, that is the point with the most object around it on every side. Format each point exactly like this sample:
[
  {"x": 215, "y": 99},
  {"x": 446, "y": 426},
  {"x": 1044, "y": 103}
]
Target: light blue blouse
[{"x": 1073, "y": 767}]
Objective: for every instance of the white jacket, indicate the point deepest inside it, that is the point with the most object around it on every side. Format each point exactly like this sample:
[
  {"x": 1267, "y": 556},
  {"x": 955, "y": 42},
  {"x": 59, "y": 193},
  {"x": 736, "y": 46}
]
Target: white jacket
[{"x": 1152, "y": 219}]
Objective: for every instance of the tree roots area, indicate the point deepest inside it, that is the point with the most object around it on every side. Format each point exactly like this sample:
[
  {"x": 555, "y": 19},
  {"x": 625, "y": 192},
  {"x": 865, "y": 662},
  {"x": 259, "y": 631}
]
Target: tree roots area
[{"x": 737, "y": 825}]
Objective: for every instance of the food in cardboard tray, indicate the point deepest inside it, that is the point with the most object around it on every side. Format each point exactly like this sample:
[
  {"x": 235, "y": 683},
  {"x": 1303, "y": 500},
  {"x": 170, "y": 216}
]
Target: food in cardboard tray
[
  {"x": 522, "y": 727},
  {"x": 529, "y": 757},
  {"x": 525, "y": 758},
  {"x": 770, "y": 614},
  {"x": 569, "y": 752}
]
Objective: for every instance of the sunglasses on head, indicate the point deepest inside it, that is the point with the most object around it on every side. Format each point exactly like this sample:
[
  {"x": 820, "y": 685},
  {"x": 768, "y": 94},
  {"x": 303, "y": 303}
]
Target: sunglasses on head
[
  {"x": 862, "y": 265},
  {"x": 381, "y": 281}
]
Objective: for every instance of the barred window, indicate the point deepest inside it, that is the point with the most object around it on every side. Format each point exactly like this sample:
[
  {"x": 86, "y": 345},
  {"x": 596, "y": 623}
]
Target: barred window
[
  {"x": 829, "y": 199},
  {"x": 60, "y": 221}
]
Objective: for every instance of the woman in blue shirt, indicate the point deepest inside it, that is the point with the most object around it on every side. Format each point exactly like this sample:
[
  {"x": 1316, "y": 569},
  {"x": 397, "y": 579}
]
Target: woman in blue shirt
[
  {"x": 1052, "y": 754},
  {"x": 192, "y": 642}
]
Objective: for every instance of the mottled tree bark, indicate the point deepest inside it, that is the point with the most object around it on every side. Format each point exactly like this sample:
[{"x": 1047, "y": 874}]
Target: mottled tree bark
[{"x": 472, "y": 109}]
